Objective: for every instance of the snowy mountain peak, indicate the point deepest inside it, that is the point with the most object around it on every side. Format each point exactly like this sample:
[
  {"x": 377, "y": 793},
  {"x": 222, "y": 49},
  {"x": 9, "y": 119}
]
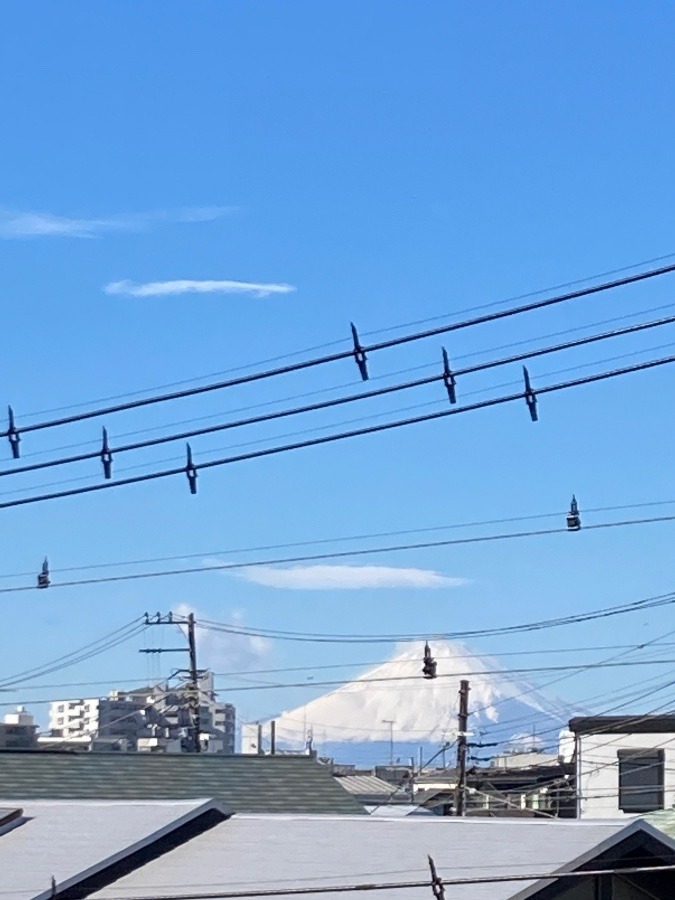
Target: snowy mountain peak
[{"x": 394, "y": 697}]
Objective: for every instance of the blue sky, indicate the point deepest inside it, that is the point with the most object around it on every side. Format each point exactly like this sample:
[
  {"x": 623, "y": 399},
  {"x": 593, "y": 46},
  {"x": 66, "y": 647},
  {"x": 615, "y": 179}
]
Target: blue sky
[{"x": 381, "y": 163}]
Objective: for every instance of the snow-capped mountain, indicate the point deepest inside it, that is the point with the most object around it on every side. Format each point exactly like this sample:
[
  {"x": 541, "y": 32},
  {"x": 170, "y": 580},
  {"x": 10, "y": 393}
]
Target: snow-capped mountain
[{"x": 355, "y": 722}]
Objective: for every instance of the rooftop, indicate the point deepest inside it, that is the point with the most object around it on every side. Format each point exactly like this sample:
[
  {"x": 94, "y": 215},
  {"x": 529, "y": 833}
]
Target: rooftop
[
  {"x": 642, "y": 724},
  {"x": 73, "y": 841},
  {"x": 246, "y": 784},
  {"x": 259, "y": 852}
]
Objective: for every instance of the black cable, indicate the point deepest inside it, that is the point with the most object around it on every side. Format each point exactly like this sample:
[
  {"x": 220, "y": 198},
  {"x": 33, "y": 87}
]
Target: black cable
[
  {"x": 260, "y": 548},
  {"x": 403, "y": 885},
  {"x": 602, "y": 613},
  {"x": 346, "y": 354},
  {"x": 342, "y": 401},
  {"x": 106, "y": 579},
  {"x": 398, "y": 678},
  {"x": 327, "y": 439},
  {"x": 326, "y": 344},
  {"x": 326, "y": 390}
]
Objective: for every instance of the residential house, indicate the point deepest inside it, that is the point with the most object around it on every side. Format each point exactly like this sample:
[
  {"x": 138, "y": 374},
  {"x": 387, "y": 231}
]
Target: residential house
[{"x": 625, "y": 765}]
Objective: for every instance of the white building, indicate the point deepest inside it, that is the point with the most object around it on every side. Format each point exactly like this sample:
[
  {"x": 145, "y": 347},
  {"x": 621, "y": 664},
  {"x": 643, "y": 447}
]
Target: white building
[
  {"x": 625, "y": 765},
  {"x": 18, "y": 731},
  {"x": 154, "y": 718}
]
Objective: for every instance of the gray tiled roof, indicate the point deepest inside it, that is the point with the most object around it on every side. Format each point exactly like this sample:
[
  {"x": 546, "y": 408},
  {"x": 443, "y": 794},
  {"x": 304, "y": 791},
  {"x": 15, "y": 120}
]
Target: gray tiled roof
[
  {"x": 259, "y": 852},
  {"x": 72, "y": 840},
  {"x": 246, "y": 784}
]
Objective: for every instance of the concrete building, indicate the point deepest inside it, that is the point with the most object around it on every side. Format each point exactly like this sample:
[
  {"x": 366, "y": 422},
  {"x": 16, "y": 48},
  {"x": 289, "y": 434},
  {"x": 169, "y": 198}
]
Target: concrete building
[
  {"x": 154, "y": 718},
  {"x": 18, "y": 731},
  {"x": 625, "y": 765}
]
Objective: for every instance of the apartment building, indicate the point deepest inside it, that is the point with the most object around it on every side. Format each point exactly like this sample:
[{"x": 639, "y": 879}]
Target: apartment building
[{"x": 153, "y": 718}]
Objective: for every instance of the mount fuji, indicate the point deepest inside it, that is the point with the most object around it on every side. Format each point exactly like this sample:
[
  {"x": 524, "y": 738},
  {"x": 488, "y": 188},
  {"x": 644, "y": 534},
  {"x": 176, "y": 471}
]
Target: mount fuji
[{"x": 392, "y": 704}]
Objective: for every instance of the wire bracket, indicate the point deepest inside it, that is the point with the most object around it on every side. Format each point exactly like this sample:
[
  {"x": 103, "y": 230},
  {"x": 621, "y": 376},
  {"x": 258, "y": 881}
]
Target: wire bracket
[
  {"x": 43, "y": 576},
  {"x": 359, "y": 354},
  {"x": 573, "y": 517},
  {"x": 191, "y": 470},
  {"x": 429, "y": 666},
  {"x": 437, "y": 887},
  {"x": 530, "y": 396},
  {"x": 12, "y": 434},
  {"x": 448, "y": 377},
  {"x": 106, "y": 456}
]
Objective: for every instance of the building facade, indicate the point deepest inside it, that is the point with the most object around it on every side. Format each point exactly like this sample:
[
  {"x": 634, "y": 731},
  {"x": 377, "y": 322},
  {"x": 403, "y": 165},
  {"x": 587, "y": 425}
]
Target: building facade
[
  {"x": 156, "y": 718},
  {"x": 625, "y": 765},
  {"x": 18, "y": 731}
]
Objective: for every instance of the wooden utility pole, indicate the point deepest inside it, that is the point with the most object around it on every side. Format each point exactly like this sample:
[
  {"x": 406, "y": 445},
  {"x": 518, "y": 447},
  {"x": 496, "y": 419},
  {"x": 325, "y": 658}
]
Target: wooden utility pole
[
  {"x": 462, "y": 725},
  {"x": 194, "y": 687}
]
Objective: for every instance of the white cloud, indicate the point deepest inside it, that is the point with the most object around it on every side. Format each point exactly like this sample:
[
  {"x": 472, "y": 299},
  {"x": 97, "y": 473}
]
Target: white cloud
[
  {"x": 31, "y": 223},
  {"x": 218, "y": 650},
  {"x": 346, "y": 578},
  {"x": 190, "y": 286}
]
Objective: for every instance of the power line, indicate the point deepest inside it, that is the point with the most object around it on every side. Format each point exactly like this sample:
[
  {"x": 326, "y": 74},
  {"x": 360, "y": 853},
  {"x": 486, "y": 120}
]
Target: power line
[
  {"x": 337, "y": 555},
  {"x": 359, "y": 353},
  {"x": 448, "y": 376},
  {"x": 539, "y": 625},
  {"x": 313, "y": 393},
  {"x": 385, "y": 679},
  {"x": 108, "y": 641},
  {"x": 326, "y": 428},
  {"x": 238, "y": 551},
  {"x": 326, "y": 344},
  {"x": 192, "y": 469},
  {"x": 630, "y": 648},
  {"x": 403, "y": 885}
]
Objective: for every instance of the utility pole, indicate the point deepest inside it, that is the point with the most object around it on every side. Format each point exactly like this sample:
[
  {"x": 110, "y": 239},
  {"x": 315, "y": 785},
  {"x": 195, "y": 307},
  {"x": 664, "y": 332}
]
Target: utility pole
[
  {"x": 192, "y": 671},
  {"x": 194, "y": 687},
  {"x": 462, "y": 725},
  {"x": 390, "y": 723}
]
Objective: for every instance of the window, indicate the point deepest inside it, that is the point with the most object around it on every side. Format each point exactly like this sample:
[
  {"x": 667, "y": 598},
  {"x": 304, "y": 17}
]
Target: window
[{"x": 641, "y": 776}]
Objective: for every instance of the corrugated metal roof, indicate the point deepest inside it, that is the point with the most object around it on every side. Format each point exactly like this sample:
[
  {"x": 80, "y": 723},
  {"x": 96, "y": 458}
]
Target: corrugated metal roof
[
  {"x": 260, "y": 852},
  {"x": 70, "y": 840},
  {"x": 249, "y": 784},
  {"x": 366, "y": 785}
]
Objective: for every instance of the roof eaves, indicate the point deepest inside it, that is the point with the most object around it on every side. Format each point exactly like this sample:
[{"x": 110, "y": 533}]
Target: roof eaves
[{"x": 637, "y": 825}]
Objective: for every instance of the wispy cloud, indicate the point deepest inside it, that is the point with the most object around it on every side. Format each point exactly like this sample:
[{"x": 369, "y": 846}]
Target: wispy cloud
[
  {"x": 191, "y": 286},
  {"x": 346, "y": 578},
  {"x": 32, "y": 223},
  {"x": 218, "y": 649}
]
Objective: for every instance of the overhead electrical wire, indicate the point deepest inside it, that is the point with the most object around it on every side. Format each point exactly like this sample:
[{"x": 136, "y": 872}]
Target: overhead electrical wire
[
  {"x": 403, "y": 885},
  {"x": 108, "y": 641},
  {"x": 359, "y": 352},
  {"x": 344, "y": 400},
  {"x": 538, "y": 625},
  {"x": 324, "y": 428},
  {"x": 238, "y": 551},
  {"x": 193, "y": 469},
  {"x": 296, "y": 353},
  {"x": 105, "y": 579},
  {"x": 344, "y": 385},
  {"x": 632, "y": 648}
]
